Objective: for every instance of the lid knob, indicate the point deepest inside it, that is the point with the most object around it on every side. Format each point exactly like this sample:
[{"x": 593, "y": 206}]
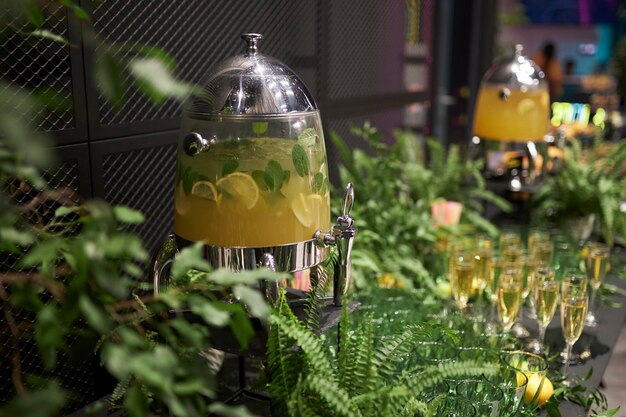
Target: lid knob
[{"x": 252, "y": 39}]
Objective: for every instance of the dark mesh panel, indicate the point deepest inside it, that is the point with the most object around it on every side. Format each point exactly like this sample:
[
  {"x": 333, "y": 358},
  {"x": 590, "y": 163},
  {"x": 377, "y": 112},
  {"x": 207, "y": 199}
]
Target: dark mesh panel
[
  {"x": 76, "y": 374},
  {"x": 366, "y": 48},
  {"x": 201, "y": 33},
  {"x": 144, "y": 180},
  {"x": 34, "y": 63}
]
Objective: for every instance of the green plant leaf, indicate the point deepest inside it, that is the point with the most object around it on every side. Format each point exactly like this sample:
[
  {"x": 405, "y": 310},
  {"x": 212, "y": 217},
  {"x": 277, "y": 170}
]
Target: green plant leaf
[
  {"x": 300, "y": 160},
  {"x": 154, "y": 77},
  {"x": 229, "y": 167},
  {"x": 190, "y": 257},
  {"x": 78, "y": 11},
  {"x": 259, "y": 127},
  {"x": 274, "y": 176},
  {"x": 307, "y": 137},
  {"x": 136, "y": 403},
  {"x": 125, "y": 214},
  {"x": 253, "y": 300},
  {"x": 224, "y": 410},
  {"x": 109, "y": 77},
  {"x": 46, "y": 34},
  {"x": 64, "y": 211},
  {"x": 259, "y": 178},
  {"x": 50, "y": 332},
  {"x": 317, "y": 183},
  {"x": 211, "y": 314},
  {"x": 44, "y": 402},
  {"x": 95, "y": 315}
]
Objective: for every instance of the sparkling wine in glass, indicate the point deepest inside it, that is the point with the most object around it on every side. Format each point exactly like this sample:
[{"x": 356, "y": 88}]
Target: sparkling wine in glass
[
  {"x": 545, "y": 297},
  {"x": 597, "y": 265},
  {"x": 509, "y": 296},
  {"x": 462, "y": 268},
  {"x": 574, "y": 303}
]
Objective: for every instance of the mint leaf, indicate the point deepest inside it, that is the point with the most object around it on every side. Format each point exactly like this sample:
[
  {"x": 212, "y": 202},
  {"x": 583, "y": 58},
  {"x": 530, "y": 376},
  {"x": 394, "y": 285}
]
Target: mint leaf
[
  {"x": 325, "y": 187},
  {"x": 187, "y": 179},
  {"x": 259, "y": 177},
  {"x": 229, "y": 167},
  {"x": 300, "y": 160},
  {"x": 317, "y": 182},
  {"x": 259, "y": 127},
  {"x": 307, "y": 137},
  {"x": 274, "y": 175}
]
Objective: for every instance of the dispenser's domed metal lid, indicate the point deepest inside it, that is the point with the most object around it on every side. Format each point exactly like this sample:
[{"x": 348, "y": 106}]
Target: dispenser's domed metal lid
[
  {"x": 251, "y": 84},
  {"x": 516, "y": 71}
]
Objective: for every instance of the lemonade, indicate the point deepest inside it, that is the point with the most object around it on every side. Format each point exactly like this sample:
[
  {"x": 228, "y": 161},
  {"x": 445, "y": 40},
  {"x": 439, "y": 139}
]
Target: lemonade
[
  {"x": 522, "y": 116},
  {"x": 254, "y": 192}
]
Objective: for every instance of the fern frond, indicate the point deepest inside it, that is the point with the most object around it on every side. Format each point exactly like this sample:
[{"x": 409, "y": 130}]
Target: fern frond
[
  {"x": 480, "y": 222},
  {"x": 308, "y": 342},
  {"x": 490, "y": 197},
  {"x": 418, "y": 381},
  {"x": 282, "y": 359},
  {"x": 315, "y": 297},
  {"x": 397, "y": 347},
  {"x": 332, "y": 394}
]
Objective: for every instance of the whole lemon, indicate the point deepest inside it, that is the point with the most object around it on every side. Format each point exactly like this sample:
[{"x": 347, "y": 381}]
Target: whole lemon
[{"x": 537, "y": 382}]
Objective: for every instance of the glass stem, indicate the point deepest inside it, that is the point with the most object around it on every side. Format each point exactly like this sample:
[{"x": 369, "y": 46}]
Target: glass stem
[
  {"x": 567, "y": 356},
  {"x": 592, "y": 302},
  {"x": 542, "y": 336}
]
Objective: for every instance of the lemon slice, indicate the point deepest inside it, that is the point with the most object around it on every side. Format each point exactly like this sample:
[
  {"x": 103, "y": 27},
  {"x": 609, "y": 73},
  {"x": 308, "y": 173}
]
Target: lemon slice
[
  {"x": 241, "y": 187},
  {"x": 525, "y": 106},
  {"x": 306, "y": 208},
  {"x": 204, "y": 189}
]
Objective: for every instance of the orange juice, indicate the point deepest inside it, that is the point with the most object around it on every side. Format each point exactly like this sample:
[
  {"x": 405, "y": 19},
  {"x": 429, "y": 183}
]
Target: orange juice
[
  {"x": 253, "y": 193},
  {"x": 522, "y": 116}
]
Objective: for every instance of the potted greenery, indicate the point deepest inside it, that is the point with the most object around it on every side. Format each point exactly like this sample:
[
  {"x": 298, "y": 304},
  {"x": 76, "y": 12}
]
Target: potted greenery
[{"x": 590, "y": 187}]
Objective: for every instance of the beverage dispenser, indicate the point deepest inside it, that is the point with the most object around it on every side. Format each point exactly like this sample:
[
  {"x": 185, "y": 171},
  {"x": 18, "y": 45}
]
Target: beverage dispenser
[
  {"x": 511, "y": 121},
  {"x": 252, "y": 175}
]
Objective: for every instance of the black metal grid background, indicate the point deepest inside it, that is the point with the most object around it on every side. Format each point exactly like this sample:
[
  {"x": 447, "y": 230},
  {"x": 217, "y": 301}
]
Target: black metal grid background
[
  {"x": 28, "y": 61},
  {"x": 143, "y": 179}
]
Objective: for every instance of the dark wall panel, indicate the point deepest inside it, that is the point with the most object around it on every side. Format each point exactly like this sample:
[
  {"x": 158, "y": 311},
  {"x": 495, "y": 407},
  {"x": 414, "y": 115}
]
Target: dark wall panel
[
  {"x": 139, "y": 174},
  {"x": 50, "y": 68}
]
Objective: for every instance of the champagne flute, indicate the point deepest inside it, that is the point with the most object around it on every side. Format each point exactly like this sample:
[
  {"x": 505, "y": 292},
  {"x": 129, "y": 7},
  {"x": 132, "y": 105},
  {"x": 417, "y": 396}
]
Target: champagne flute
[
  {"x": 574, "y": 304},
  {"x": 526, "y": 269},
  {"x": 509, "y": 294},
  {"x": 537, "y": 235},
  {"x": 597, "y": 262},
  {"x": 509, "y": 237},
  {"x": 546, "y": 297},
  {"x": 483, "y": 258},
  {"x": 492, "y": 292},
  {"x": 462, "y": 268},
  {"x": 542, "y": 252}
]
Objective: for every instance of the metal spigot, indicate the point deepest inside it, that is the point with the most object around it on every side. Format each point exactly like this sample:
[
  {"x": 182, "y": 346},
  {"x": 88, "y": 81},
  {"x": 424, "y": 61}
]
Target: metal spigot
[
  {"x": 342, "y": 236},
  {"x": 194, "y": 143}
]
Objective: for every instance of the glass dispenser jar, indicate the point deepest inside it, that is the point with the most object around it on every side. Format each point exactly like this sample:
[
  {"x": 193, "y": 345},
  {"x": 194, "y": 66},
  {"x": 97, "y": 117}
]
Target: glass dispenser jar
[
  {"x": 252, "y": 173},
  {"x": 511, "y": 120}
]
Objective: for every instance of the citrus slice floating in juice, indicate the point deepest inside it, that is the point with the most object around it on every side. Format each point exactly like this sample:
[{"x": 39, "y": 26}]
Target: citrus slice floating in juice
[
  {"x": 306, "y": 208},
  {"x": 241, "y": 187},
  {"x": 204, "y": 189}
]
